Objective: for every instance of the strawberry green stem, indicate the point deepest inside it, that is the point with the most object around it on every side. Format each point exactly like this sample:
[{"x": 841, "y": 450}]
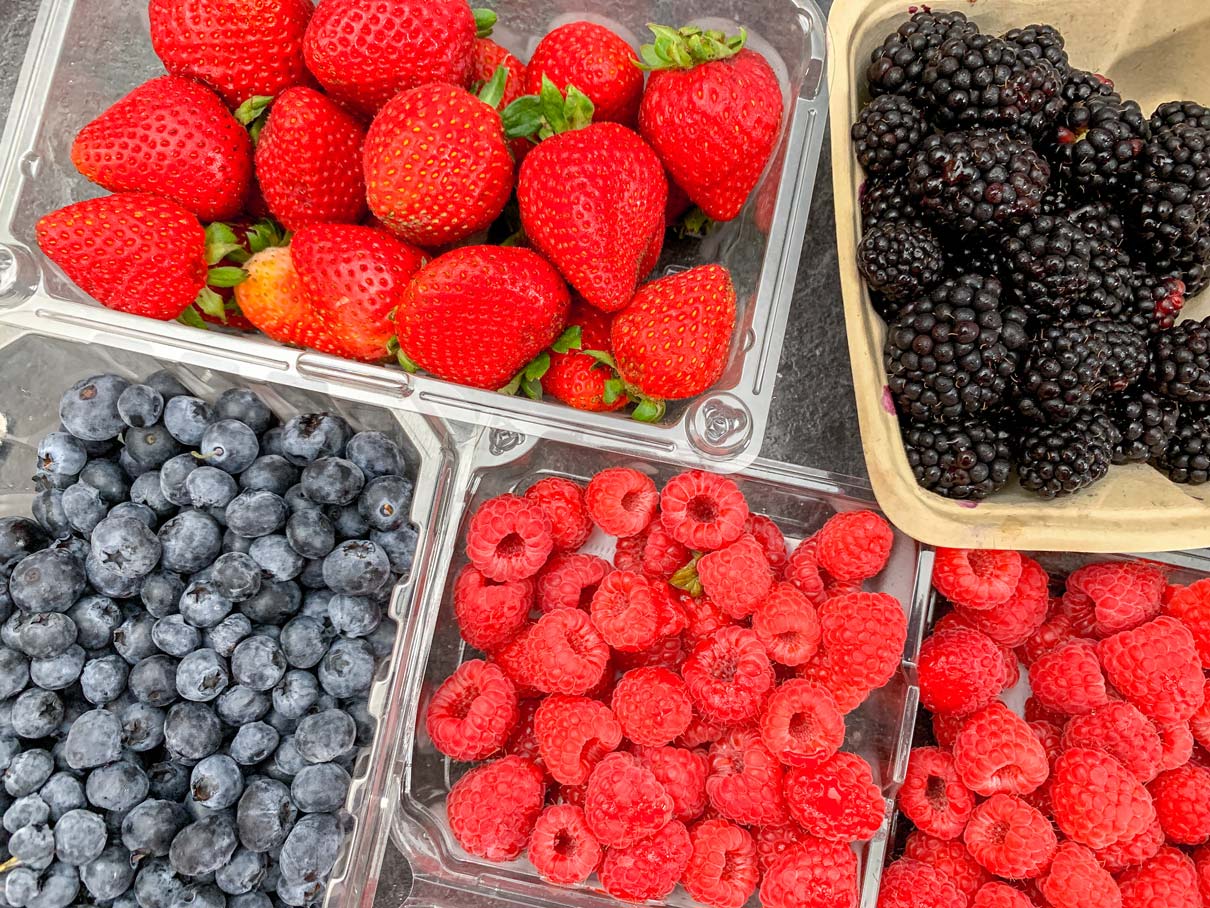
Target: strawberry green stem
[
  {"x": 647, "y": 409},
  {"x": 548, "y": 113},
  {"x": 253, "y": 113},
  {"x": 493, "y": 89},
  {"x": 485, "y": 21},
  {"x": 685, "y": 48}
]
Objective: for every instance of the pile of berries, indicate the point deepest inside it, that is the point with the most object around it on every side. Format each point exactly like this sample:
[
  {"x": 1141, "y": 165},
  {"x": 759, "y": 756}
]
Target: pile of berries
[
  {"x": 1096, "y": 791},
  {"x": 1030, "y": 238},
  {"x": 676, "y": 716},
  {"x": 191, "y": 625}
]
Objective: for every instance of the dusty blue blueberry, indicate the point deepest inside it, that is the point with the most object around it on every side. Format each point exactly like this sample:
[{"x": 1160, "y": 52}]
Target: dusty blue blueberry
[
  {"x": 241, "y": 874},
  {"x": 169, "y": 780},
  {"x": 166, "y": 383},
  {"x": 20, "y": 536},
  {"x": 89, "y": 408},
  {"x": 153, "y": 680},
  {"x": 202, "y": 675},
  {"x": 48, "y": 511},
  {"x": 322, "y": 737},
  {"x": 142, "y": 726},
  {"x": 103, "y": 679},
  {"x": 152, "y": 446},
  {"x": 33, "y": 846},
  {"x": 29, "y": 810},
  {"x": 58, "y": 672},
  {"x": 157, "y": 884},
  {"x": 356, "y": 567},
  {"x": 353, "y": 616},
  {"x": 73, "y": 545},
  {"x": 385, "y": 502},
  {"x": 140, "y": 406},
  {"x": 226, "y": 635},
  {"x": 229, "y": 445},
  {"x": 270, "y": 473},
  {"x": 14, "y": 672},
  {"x": 258, "y": 663},
  {"x": 315, "y": 604},
  {"x": 320, "y": 788},
  {"x": 295, "y": 694},
  {"x": 116, "y": 786},
  {"x": 131, "y": 467},
  {"x": 270, "y": 442},
  {"x": 186, "y": 418},
  {"x": 44, "y": 480},
  {"x": 36, "y": 713},
  {"x": 199, "y": 895},
  {"x": 283, "y": 725},
  {"x": 382, "y": 639},
  {"x": 202, "y": 605},
  {"x": 161, "y": 592},
  {"x": 191, "y": 540},
  {"x": 47, "y": 581},
  {"x": 332, "y": 481},
  {"x": 203, "y": 847},
  {"x": 192, "y": 731},
  {"x": 376, "y": 455},
  {"x": 126, "y": 546},
  {"x": 297, "y": 500},
  {"x": 62, "y": 792},
  {"x": 311, "y": 848},
  {"x": 234, "y": 542},
  {"x": 265, "y": 815},
  {"x": 239, "y": 705},
  {"x": 150, "y": 827},
  {"x": 310, "y": 436},
  {"x": 246, "y": 406},
  {"x": 108, "y": 582},
  {"x": 347, "y": 669},
  {"x": 83, "y": 507},
  {"x": 348, "y": 521},
  {"x": 299, "y": 894},
  {"x": 275, "y": 603},
  {"x": 310, "y": 533},
  {"x": 108, "y": 478},
  {"x": 61, "y": 453},
  {"x": 312, "y": 576},
  {"x": 210, "y": 487},
  {"x": 367, "y": 725},
  {"x": 136, "y": 511},
  {"x": 256, "y": 512},
  {"x": 21, "y": 887},
  {"x": 236, "y": 576},
  {"x": 60, "y": 887},
  {"x": 28, "y": 771},
  {"x": 109, "y": 875},
  {"x": 305, "y": 640},
  {"x": 253, "y": 743},
  {"x": 132, "y": 638},
  {"x": 175, "y": 637},
  {"x": 146, "y": 490},
  {"x": 174, "y": 475},
  {"x": 40, "y": 635},
  {"x": 217, "y": 782},
  {"x": 276, "y": 558},
  {"x": 80, "y": 837}
]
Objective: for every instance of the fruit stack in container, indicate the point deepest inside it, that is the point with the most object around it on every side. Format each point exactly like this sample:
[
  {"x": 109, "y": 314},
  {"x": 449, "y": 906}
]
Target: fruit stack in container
[{"x": 1030, "y": 238}]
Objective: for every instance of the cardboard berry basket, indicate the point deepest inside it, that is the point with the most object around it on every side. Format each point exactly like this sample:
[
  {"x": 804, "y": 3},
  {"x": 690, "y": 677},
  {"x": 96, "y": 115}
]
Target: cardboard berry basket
[
  {"x": 1147, "y": 49},
  {"x": 85, "y": 56}
]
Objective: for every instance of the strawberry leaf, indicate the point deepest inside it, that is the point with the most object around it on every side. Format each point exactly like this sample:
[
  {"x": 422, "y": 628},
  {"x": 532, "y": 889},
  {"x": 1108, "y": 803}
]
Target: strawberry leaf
[
  {"x": 485, "y": 21},
  {"x": 212, "y": 304},
  {"x": 648, "y": 410},
  {"x": 548, "y": 113},
  {"x": 221, "y": 243},
  {"x": 226, "y": 276},
  {"x": 602, "y": 357},
  {"x": 252, "y": 114},
  {"x": 696, "y": 224},
  {"x": 493, "y": 90},
  {"x": 539, "y": 367},
  {"x": 686, "y": 578},
  {"x": 614, "y": 388},
  {"x": 523, "y": 118},
  {"x": 685, "y": 48},
  {"x": 405, "y": 361},
  {"x": 192, "y": 318},
  {"x": 532, "y": 388},
  {"x": 569, "y": 340},
  {"x": 264, "y": 234},
  {"x": 513, "y": 386}
]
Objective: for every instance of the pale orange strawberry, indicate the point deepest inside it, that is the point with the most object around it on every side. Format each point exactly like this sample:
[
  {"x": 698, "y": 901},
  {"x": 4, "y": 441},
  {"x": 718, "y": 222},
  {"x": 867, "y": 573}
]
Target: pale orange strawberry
[
  {"x": 272, "y": 298},
  {"x": 574, "y": 377}
]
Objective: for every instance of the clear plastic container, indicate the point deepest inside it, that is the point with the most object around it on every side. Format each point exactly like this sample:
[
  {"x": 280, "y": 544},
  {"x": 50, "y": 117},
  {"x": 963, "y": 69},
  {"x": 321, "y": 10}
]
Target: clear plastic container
[{"x": 83, "y": 56}]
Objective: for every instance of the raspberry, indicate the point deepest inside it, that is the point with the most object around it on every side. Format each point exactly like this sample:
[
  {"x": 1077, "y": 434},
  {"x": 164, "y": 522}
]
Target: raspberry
[
  {"x": 509, "y": 538},
  {"x": 950, "y": 857},
  {"x": 1176, "y": 744},
  {"x": 946, "y": 727},
  {"x": 1057, "y": 630},
  {"x": 1182, "y": 802},
  {"x": 788, "y": 625},
  {"x": 1097, "y": 802},
  {"x": 702, "y": 618},
  {"x": 621, "y": 501},
  {"x": 854, "y": 545},
  {"x": 771, "y": 540},
  {"x": 703, "y": 511},
  {"x": 682, "y": 772},
  {"x": 1201, "y": 862},
  {"x": 1119, "y": 729},
  {"x": 836, "y": 799},
  {"x": 774, "y": 841},
  {"x": 1076, "y": 880},
  {"x": 1156, "y": 667},
  {"x": 848, "y": 692},
  {"x": 745, "y": 781},
  {"x": 1020, "y": 617},
  {"x": 728, "y": 675},
  {"x": 574, "y": 734},
  {"x": 1034, "y": 711},
  {"x": 996, "y": 751},
  {"x": 565, "y": 653},
  {"x": 802, "y": 570},
  {"x": 1191, "y": 606},
  {"x": 1000, "y": 895},
  {"x": 932, "y": 796},
  {"x": 905, "y": 882},
  {"x": 492, "y": 809},
  {"x": 573, "y": 795},
  {"x": 863, "y": 637},
  {"x": 489, "y": 614},
  {"x": 570, "y": 581},
  {"x": 624, "y": 801},
  {"x": 652, "y": 705},
  {"x": 1082, "y": 612},
  {"x": 628, "y": 554},
  {"x": 1134, "y": 851},
  {"x": 976, "y": 579},
  {"x": 649, "y": 868},
  {"x": 801, "y": 723},
  {"x": 701, "y": 732},
  {"x": 1012, "y": 669},
  {"x": 663, "y": 556},
  {"x": 1123, "y": 594},
  {"x": 1169, "y": 880},
  {"x": 1068, "y": 680},
  {"x": 563, "y": 502},
  {"x": 959, "y": 671},
  {"x": 472, "y": 712},
  {"x": 522, "y": 742},
  {"x": 1010, "y": 838},
  {"x": 562, "y": 849},
  {"x": 624, "y": 611},
  {"x": 816, "y": 874},
  {"x": 723, "y": 869},
  {"x": 736, "y": 577},
  {"x": 668, "y": 652}
]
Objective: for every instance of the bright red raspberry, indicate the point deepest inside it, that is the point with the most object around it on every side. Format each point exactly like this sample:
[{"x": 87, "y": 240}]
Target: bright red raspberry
[
  {"x": 703, "y": 511},
  {"x": 509, "y": 538},
  {"x": 649, "y": 868},
  {"x": 723, "y": 870},
  {"x": 624, "y": 801},
  {"x": 628, "y": 553},
  {"x": 1012, "y": 669},
  {"x": 702, "y": 618},
  {"x": 663, "y": 556},
  {"x": 621, "y": 501},
  {"x": 682, "y": 772},
  {"x": 816, "y": 874},
  {"x": 572, "y": 794},
  {"x": 996, "y": 751},
  {"x": 1119, "y": 729},
  {"x": 770, "y": 537},
  {"x": 1168, "y": 880},
  {"x": 950, "y": 857},
  {"x": 863, "y": 637},
  {"x": 563, "y": 849},
  {"x": 1010, "y": 838},
  {"x": 745, "y": 781},
  {"x": 854, "y": 545},
  {"x": 836, "y": 799},
  {"x": 653, "y": 706},
  {"x": 960, "y": 670},
  {"x": 946, "y": 727},
  {"x": 1176, "y": 743},
  {"x": 976, "y": 578},
  {"x": 701, "y": 732},
  {"x": 736, "y": 577},
  {"x": 668, "y": 652},
  {"x": 472, "y": 712},
  {"x": 1096, "y": 800},
  {"x": 1018, "y": 619},
  {"x": 906, "y": 882},
  {"x": 489, "y": 614},
  {"x": 523, "y": 742},
  {"x": 570, "y": 581},
  {"x": 1057, "y": 630},
  {"x": 788, "y": 625},
  {"x": 574, "y": 734},
  {"x": 1201, "y": 862},
  {"x": 1132, "y": 852},
  {"x": 801, "y": 723},
  {"x": 1000, "y": 895},
  {"x": 848, "y": 692},
  {"x": 492, "y": 809},
  {"x": 728, "y": 675},
  {"x": 1182, "y": 802},
  {"x": 565, "y": 652},
  {"x": 774, "y": 841},
  {"x": 1076, "y": 880},
  {"x": 1035, "y": 712},
  {"x": 932, "y": 796},
  {"x": 802, "y": 569},
  {"x": 625, "y": 612},
  {"x": 1191, "y": 606},
  {"x": 1122, "y": 594},
  {"x": 1068, "y": 680},
  {"x": 1156, "y": 667},
  {"x": 563, "y": 502}
]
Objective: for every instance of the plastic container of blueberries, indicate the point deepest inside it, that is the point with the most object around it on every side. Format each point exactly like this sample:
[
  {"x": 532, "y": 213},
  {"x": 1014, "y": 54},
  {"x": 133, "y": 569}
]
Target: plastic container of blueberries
[
  {"x": 1149, "y": 49},
  {"x": 83, "y": 56}
]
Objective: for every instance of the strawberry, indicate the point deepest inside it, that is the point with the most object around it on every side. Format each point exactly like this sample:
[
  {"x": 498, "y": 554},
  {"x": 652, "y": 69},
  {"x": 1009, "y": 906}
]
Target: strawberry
[
  {"x": 597, "y": 62},
  {"x": 487, "y": 57},
  {"x": 308, "y": 161},
  {"x": 173, "y": 137},
  {"x": 132, "y": 252},
  {"x": 439, "y": 130},
  {"x": 478, "y": 314},
  {"x": 272, "y": 298},
  {"x": 240, "y": 48},
  {"x": 712, "y": 111},
  {"x": 576, "y": 378}
]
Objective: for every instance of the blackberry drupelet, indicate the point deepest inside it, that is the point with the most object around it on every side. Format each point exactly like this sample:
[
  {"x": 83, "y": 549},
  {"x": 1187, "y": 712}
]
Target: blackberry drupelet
[
  {"x": 1173, "y": 113},
  {"x": 886, "y": 199},
  {"x": 968, "y": 461},
  {"x": 1096, "y": 145},
  {"x": 1080, "y": 85},
  {"x": 1061, "y": 373},
  {"x": 900, "y": 261},
  {"x": 887, "y": 132},
  {"x": 1127, "y": 354},
  {"x": 1180, "y": 362},
  {"x": 1110, "y": 290},
  {"x": 1047, "y": 264},
  {"x": 971, "y": 256},
  {"x": 1156, "y": 300},
  {"x": 896, "y": 64},
  {"x": 1041, "y": 42},
  {"x": 1102, "y": 222},
  {"x": 979, "y": 181},
  {"x": 1060, "y": 460},
  {"x": 1187, "y": 458},
  {"x": 1146, "y": 423}
]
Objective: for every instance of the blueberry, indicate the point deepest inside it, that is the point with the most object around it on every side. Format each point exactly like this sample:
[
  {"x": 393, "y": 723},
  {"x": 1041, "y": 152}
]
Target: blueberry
[
  {"x": 253, "y": 743},
  {"x": 354, "y": 616},
  {"x": 14, "y": 672},
  {"x": 59, "y": 888},
  {"x": 367, "y": 725},
  {"x": 174, "y": 476},
  {"x": 131, "y": 467},
  {"x": 21, "y": 887},
  {"x": 89, "y": 408},
  {"x": 95, "y": 618},
  {"x": 312, "y": 576},
  {"x": 103, "y": 680},
  {"x": 217, "y": 781},
  {"x": 166, "y": 383},
  {"x": 265, "y": 815},
  {"x": 126, "y": 546},
  {"x": 332, "y": 480},
  {"x": 109, "y": 875},
  {"x": 239, "y": 705},
  {"x": 62, "y": 454},
  {"x": 310, "y": 533},
  {"x": 247, "y": 407},
  {"x": 136, "y": 511},
  {"x": 80, "y": 837},
  {"x": 320, "y": 788},
  {"x": 226, "y": 635},
  {"x": 283, "y": 725},
  {"x": 296, "y": 500},
  {"x": 191, "y": 540},
  {"x": 174, "y": 637},
  {"x": 48, "y": 512},
  {"x": 108, "y": 478},
  {"x": 258, "y": 663},
  {"x": 270, "y": 473},
  {"x": 62, "y": 792},
  {"x": 186, "y": 418},
  {"x": 385, "y": 502},
  {"x": 161, "y": 593},
  {"x": 149, "y": 828},
  {"x": 33, "y": 845},
  {"x": 41, "y": 635},
  {"x": 58, "y": 672},
  {"x": 37, "y": 713},
  {"x": 169, "y": 781},
  {"x": 299, "y": 894},
  {"x": 202, "y": 605},
  {"x": 44, "y": 480},
  {"x": 153, "y": 680},
  {"x": 142, "y": 727},
  {"x": 109, "y": 582},
  {"x": 229, "y": 445},
  {"x": 29, "y": 810},
  {"x": 256, "y": 513},
  {"x": 236, "y": 576},
  {"x": 132, "y": 639},
  {"x": 47, "y": 581},
  {"x": 202, "y": 675},
  {"x": 203, "y": 847},
  {"x": 357, "y": 568},
  {"x": 140, "y": 406},
  {"x": 242, "y": 873},
  {"x": 27, "y": 772},
  {"x": 310, "y": 436},
  {"x": 382, "y": 639},
  {"x": 322, "y": 737},
  {"x": 276, "y": 558},
  {"x": 147, "y": 490},
  {"x": 157, "y": 885},
  {"x": 376, "y": 455},
  {"x": 304, "y": 641},
  {"x": 210, "y": 487},
  {"x": 234, "y": 542},
  {"x": 276, "y": 602},
  {"x": 311, "y": 848},
  {"x": 152, "y": 446},
  {"x": 348, "y": 521},
  {"x": 192, "y": 731},
  {"x": 116, "y": 786},
  {"x": 198, "y": 895}
]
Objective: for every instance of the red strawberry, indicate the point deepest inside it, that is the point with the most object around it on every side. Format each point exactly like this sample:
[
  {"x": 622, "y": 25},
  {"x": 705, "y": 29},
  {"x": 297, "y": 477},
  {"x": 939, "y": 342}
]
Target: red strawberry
[
  {"x": 240, "y": 48},
  {"x": 308, "y": 161},
  {"x": 173, "y": 137},
  {"x": 487, "y": 57},
  {"x": 712, "y": 111},
  {"x": 576, "y": 378},
  {"x": 597, "y": 62},
  {"x": 479, "y": 314},
  {"x": 132, "y": 252}
]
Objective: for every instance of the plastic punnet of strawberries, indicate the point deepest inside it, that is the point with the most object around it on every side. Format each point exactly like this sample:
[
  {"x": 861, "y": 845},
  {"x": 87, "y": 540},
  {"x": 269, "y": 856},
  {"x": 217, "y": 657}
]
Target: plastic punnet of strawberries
[
  {"x": 399, "y": 186},
  {"x": 1070, "y": 768},
  {"x": 677, "y": 715}
]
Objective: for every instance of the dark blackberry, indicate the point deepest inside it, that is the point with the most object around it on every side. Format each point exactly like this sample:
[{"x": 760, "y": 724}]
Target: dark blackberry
[
  {"x": 900, "y": 261},
  {"x": 887, "y": 132},
  {"x": 968, "y": 461},
  {"x": 1187, "y": 458},
  {"x": 978, "y": 182},
  {"x": 1060, "y": 460},
  {"x": 1047, "y": 264},
  {"x": 1096, "y": 145},
  {"x": 1040, "y": 42},
  {"x": 1156, "y": 300},
  {"x": 946, "y": 354},
  {"x": 1173, "y": 113},
  {"x": 1080, "y": 85},
  {"x": 1062, "y": 372},
  {"x": 1102, "y": 222},
  {"x": 968, "y": 255},
  {"x": 1180, "y": 362},
  {"x": 1127, "y": 354},
  {"x": 1110, "y": 291},
  {"x": 886, "y": 199},
  {"x": 896, "y": 64},
  {"x": 1146, "y": 423}
]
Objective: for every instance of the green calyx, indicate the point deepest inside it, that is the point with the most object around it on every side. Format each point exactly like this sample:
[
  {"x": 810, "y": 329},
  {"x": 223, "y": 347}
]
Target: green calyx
[
  {"x": 548, "y": 113},
  {"x": 222, "y": 245},
  {"x": 492, "y": 92},
  {"x": 253, "y": 113},
  {"x": 647, "y": 409},
  {"x": 686, "y": 578},
  {"x": 485, "y": 21},
  {"x": 405, "y": 361},
  {"x": 529, "y": 380},
  {"x": 685, "y": 48}
]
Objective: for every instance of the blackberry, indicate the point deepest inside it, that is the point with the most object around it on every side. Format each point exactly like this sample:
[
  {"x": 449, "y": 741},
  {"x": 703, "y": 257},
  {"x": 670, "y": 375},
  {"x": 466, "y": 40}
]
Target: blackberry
[
  {"x": 1187, "y": 458},
  {"x": 887, "y": 133},
  {"x": 978, "y": 182},
  {"x": 1156, "y": 300},
  {"x": 969, "y": 256},
  {"x": 887, "y": 199},
  {"x": 1102, "y": 222},
  {"x": 1041, "y": 42},
  {"x": 1080, "y": 85},
  {"x": 968, "y": 461},
  {"x": 1180, "y": 362},
  {"x": 1146, "y": 423},
  {"x": 1060, "y": 460},
  {"x": 1110, "y": 291},
  {"x": 1096, "y": 145},
  {"x": 897, "y": 64},
  {"x": 900, "y": 261},
  {"x": 1173, "y": 113},
  {"x": 1127, "y": 354},
  {"x": 1062, "y": 372},
  {"x": 1047, "y": 263}
]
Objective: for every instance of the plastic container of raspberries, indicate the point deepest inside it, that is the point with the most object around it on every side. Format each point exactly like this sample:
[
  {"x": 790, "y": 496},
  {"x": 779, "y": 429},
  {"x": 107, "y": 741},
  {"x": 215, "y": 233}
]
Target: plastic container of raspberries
[
  {"x": 35, "y": 369},
  {"x": 84, "y": 57},
  {"x": 798, "y": 501},
  {"x": 1135, "y": 507}
]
